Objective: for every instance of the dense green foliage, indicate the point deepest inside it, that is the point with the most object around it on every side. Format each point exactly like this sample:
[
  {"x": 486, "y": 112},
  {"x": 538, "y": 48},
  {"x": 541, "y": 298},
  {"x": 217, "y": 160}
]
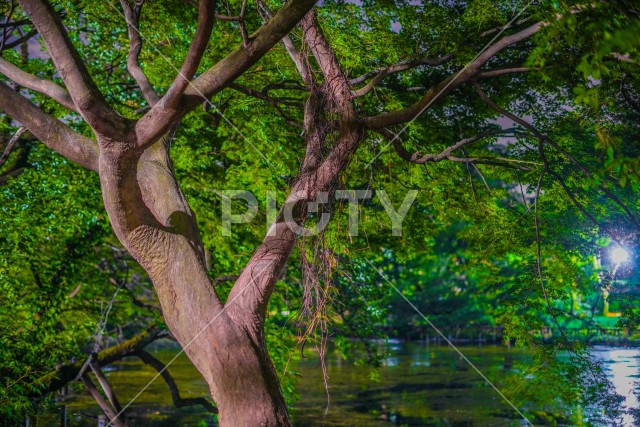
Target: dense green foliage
[{"x": 468, "y": 256}]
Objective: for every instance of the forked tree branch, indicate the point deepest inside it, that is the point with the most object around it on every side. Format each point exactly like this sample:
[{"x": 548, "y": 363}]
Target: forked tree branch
[
  {"x": 104, "y": 405},
  {"x": 90, "y": 103},
  {"x": 380, "y": 74},
  {"x": 17, "y": 42},
  {"x": 106, "y": 387},
  {"x": 447, "y": 154},
  {"x": 159, "y": 119},
  {"x": 132, "y": 16},
  {"x": 52, "y": 132},
  {"x": 7, "y": 19},
  {"x": 257, "y": 281},
  {"x": 452, "y": 82}
]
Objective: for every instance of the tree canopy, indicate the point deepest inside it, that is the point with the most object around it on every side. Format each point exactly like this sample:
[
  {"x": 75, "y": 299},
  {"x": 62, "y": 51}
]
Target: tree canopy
[{"x": 124, "y": 125}]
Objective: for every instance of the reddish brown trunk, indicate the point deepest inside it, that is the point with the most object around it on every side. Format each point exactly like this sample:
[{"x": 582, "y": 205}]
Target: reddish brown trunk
[
  {"x": 151, "y": 218},
  {"x": 244, "y": 382}
]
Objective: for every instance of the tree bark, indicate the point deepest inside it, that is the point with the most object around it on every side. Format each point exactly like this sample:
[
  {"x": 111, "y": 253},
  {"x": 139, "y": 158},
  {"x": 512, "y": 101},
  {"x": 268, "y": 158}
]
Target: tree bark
[{"x": 151, "y": 217}]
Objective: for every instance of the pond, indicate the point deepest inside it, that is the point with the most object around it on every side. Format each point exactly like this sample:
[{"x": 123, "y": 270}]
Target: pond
[{"x": 418, "y": 385}]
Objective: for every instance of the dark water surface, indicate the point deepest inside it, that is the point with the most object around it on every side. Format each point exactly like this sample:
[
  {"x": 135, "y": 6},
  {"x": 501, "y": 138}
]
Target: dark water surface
[{"x": 418, "y": 385}]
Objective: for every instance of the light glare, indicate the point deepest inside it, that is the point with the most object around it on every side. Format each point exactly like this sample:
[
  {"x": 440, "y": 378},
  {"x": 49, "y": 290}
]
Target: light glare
[{"x": 619, "y": 255}]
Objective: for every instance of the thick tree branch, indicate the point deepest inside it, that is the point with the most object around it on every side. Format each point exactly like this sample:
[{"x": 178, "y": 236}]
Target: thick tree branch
[
  {"x": 206, "y": 19},
  {"x": 258, "y": 279},
  {"x": 159, "y": 119},
  {"x": 84, "y": 92},
  {"x": 132, "y": 16},
  {"x": 496, "y": 72},
  {"x": 106, "y": 387},
  {"x": 504, "y": 43},
  {"x": 50, "y": 131},
  {"x": 178, "y": 401},
  {"x": 225, "y": 17},
  {"x": 43, "y": 86},
  {"x": 380, "y": 74},
  {"x": 450, "y": 83},
  {"x": 337, "y": 86}
]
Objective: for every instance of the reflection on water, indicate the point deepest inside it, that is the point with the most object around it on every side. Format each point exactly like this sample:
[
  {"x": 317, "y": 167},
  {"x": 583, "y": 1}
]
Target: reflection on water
[
  {"x": 623, "y": 369},
  {"x": 418, "y": 385}
]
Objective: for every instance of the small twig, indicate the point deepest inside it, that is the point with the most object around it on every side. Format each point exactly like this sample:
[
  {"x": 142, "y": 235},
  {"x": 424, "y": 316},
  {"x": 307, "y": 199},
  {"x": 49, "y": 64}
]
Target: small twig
[
  {"x": 11, "y": 144},
  {"x": 483, "y": 179},
  {"x": 447, "y": 154},
  {"x": 178, "y": 401},
  {"x": 226, "y": 18},
  {"x": 273, "y": 101},
  {"x": 227, "y": 278},
  {"x": 542, "y": 138},
  {"x": 12, "y": 8},
  {"x": 241, "y": 23},
  {"x": 539, "y": 255}
]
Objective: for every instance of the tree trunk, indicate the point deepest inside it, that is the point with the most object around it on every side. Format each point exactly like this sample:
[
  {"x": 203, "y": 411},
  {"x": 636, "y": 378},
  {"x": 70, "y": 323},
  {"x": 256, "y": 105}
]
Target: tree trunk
[
  {"x": 243, "y": 382},
  {"x": 152, "y": 219}
]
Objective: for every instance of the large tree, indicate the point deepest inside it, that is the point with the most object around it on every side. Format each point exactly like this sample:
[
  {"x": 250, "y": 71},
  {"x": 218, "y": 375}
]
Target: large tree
[{"x": 379, "y": 69}]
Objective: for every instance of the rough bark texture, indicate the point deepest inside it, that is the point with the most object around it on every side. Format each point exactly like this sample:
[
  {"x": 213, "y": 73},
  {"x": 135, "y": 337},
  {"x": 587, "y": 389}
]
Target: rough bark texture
[{"x": 152, "y": 219}]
